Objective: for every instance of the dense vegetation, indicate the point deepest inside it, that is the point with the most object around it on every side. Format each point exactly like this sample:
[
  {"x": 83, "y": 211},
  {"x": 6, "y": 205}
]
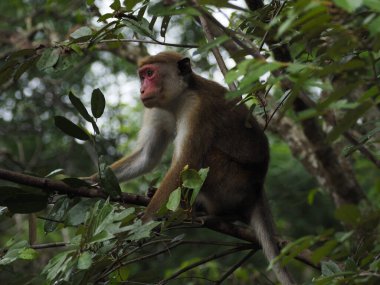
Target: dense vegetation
[{"x": 309, "y": 71}]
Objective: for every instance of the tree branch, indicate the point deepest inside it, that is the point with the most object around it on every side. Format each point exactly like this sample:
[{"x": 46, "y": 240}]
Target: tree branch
[
  {"x": 234, "y": 267},
  {"x": 62, "y": 188},
  {"x": 203, "y": 261}
]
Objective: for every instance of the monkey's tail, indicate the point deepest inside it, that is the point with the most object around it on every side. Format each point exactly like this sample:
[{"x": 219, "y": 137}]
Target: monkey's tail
[{"x": 262, "y": 223}]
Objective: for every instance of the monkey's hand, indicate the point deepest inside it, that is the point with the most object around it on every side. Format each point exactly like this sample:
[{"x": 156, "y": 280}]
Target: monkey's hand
[{"x": 151, "y": 191}]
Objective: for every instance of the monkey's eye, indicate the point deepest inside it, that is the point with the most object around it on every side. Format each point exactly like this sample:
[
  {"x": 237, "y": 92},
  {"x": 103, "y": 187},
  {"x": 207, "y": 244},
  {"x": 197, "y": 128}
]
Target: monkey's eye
[{"x": 149, "y": 72}]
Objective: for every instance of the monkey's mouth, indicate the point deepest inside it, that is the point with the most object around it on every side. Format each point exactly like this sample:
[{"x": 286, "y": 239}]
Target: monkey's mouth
[{"x": 148, "y": 101}]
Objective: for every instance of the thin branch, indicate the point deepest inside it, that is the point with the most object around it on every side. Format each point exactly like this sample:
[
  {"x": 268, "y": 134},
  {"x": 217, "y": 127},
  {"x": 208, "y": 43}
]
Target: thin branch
[
  {"x": 246, "y": 45},
  {"x": 277, "y": 108},
  {"x": 203, "y": 261},
  {"x": 48, "y": 245},
  {"x": 364, "y": 151},
  {"x": 267, "y": 32},
  {"x": 138, "y": 259},
  {"x": 215, "y": 50},
  {"x": 234, "y": 267},
  {"x": 141, "y": 41}
]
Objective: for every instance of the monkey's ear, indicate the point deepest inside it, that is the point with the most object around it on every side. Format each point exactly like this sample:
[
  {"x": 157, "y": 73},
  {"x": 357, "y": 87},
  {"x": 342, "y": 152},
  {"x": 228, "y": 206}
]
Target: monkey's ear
[{"x": 184, "y": 66}]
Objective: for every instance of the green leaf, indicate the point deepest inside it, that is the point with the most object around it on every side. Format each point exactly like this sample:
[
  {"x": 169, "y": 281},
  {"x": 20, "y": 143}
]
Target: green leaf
[
  {"x": 24, "y": 67},
  {"x": 57, "y": 213},
  {"x": 329, "y": 268},
  {"x": 101, "y": 236},
  {"x": 141, "y": 231},
  {"x": 348, "y": 5},
  {"x": 58, "y": 264},
  {"x": 215, "y": 43},
  {"x": 260, "y": 69},
  {"x": 311, "y": 196},
  {"x": 174, "y": 200},
  {"x": 194, "y": 180},
  {"x": 129, "y": 4},
  {"x": 374, "y": 26},
  {"x": 22, "y": 53},
  {"x": 348, "y": 213},
  {"x": 139, "y": 27},
  {"x": 77, "y": 103},
  {"x": 115, "y": 5},
  {"x": 373, "y": 4},
  {"x": 348, "y": 120},
  {"x": 85, "y": 260},
  {"x": 28, "y": 254},
  {"x": 77, "y": 49},
  {"x": 12, "y": 253},
  {"x": 81, "y": 32},
  {"x": 98, "y": 103},
  {"x": 164, "y": 25},
  {"x": 323, "y": 251},
  {"x": 77, "y": 214},
  {"x": 48, "y": 58},
  {"x": 110, "y": 183},
  {"x": 350, "y": 264},
  {"x": 70, "y": 128}
]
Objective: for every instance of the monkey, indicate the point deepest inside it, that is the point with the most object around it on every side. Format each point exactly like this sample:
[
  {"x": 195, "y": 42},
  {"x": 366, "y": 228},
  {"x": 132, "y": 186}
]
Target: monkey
[{"x": 207, "y": 131}]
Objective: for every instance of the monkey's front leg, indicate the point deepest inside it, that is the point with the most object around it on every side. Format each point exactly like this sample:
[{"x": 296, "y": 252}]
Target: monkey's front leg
[{"x": 170, "y": 182}]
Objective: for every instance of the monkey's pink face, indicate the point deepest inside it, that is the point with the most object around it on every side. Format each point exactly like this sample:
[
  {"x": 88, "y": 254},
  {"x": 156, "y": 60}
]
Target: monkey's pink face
[{"x": 150, "y": 85}]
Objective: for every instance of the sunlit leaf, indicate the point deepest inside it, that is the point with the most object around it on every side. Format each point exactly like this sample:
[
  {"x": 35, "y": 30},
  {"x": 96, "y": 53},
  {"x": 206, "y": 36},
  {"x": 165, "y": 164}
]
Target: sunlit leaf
[
  {"x": 139, "y": 27},
  {"x": 373, "y": 4},
  {"x": 56, "y": 214},
  {"x": 84, "y": 260},
  {"x": 329, "y": 268},
  {"x": 81, "y": 32},
  {"x": 115, "y": 5},
  {"x": 348, "y": 5},
  {"x": 48, "y": 58},
  {"x": 174, "y": 200},
  {"x": 28, "y": 254}
]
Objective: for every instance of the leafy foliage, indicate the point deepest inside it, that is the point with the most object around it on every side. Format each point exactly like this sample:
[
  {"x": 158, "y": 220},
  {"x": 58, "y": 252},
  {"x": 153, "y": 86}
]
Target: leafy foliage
[{"x": 324, "y": 53}]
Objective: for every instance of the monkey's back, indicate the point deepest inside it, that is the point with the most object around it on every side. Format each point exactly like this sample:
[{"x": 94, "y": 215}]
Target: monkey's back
[{"x": 238, "y": 156}]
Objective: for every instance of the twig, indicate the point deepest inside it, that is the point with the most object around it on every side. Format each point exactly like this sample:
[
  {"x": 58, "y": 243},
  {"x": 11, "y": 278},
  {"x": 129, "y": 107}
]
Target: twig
[
  {"x": 141, "y": 258},
  {"x": 215, "y": 50},
  {"x": 267, "y": 32},
  {"x": 141, "y": 41},
  {"x": 234, "y": 267},
  {"x": 250, "y": 49},
  {"x": 48, "y": 245},
  {"x": 205, "y": 260},
  {"x": 277, "y": 108}
]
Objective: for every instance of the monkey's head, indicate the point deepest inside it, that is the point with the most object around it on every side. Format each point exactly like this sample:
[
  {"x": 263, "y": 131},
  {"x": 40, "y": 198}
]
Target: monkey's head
[{"x": 163, "y": 78}]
